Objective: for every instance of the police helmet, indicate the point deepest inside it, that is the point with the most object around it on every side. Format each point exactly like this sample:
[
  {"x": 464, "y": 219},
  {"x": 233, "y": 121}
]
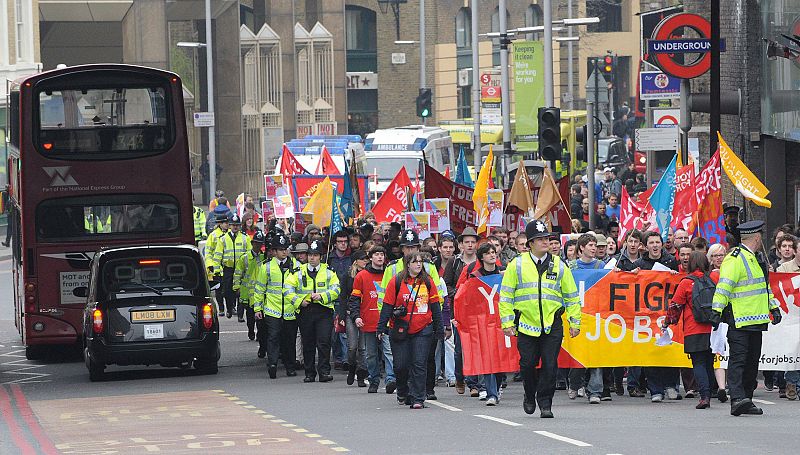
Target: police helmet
[
  {"x": 280, "y": 242},
  {"x": 258, "y": 237},
  {"x": 236, "y": 220},
  {"x": 409, "y": 238},
  {"x": 316, "y": 247},
  {"x": 536, "y": 229}
]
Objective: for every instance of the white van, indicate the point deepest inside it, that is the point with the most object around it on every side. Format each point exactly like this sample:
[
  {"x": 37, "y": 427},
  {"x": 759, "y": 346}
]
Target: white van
[{"x": 408, "y": 146}]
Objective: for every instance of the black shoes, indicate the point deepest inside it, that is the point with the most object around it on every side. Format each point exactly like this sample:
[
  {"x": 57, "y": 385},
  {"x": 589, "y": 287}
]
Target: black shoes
[
  {"x": 273, "y": 371},
  {"x": 291, "y": 373},
  {"x": 430, "y": 396},
  {"x": 229, "y": 315},
  {"x": 528, "y": 406},
  {"x": 546, "y": 414},
  {"x": 325, "y": 378},
  {"x": 308, "y": 379},
  {"x": 722, "y": 396},
  {"x": 262, "y": 353},
  {"x": 742, "y": 406},
  {"x": 252, "y": 336},
  {"x": 373, "y": 388},
  {"x": 241, "y": 319},
  {"x": 351, "y": 375},
  {"x": 391, "y": 387}
]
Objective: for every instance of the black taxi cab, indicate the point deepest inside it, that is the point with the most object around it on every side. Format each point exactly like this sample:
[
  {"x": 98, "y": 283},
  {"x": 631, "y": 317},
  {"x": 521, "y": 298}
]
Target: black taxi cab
[{"x": 149, "y": 305}]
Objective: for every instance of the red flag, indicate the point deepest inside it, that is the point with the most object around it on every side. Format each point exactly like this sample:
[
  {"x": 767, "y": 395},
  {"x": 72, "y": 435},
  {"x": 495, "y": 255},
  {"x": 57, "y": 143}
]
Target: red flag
[
  {"x": 326, "y": 166},
  {"x": 393, "y": 201},
  {"x": 635, "y": 212},
  {"x": 485, "y": 347},
  {"x": 685, "y": 209},
  {"x": 447, "y": 172},
  {"x": 710, "y": 218},
  {"x": 289, "y": 164}
]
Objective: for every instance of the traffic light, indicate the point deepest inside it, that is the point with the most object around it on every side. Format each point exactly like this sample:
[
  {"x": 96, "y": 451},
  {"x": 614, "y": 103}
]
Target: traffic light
[
  {"x": 424, "y": 103},
  {"x": 609, "y": 66},
  {"x": 580, "y": 143},
  {"x": 550, "y": 133}
]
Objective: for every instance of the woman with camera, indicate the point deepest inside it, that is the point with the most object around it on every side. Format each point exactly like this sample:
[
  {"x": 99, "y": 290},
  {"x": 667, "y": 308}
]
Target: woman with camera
[{"x": 410, "y": 316}]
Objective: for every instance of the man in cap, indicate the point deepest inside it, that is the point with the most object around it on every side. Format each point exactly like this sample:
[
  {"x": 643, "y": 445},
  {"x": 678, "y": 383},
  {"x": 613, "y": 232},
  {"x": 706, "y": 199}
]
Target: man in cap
[
  {"x": 213, "y": 257},
  {"x": 533, "y": 314},
  {"x": 244, "y": 279},
  {"x": 300, "y": 252},
  {"x": 314, "y": 288},
  {"x": 602, "y": 243},
  {"x": 275, "y": 313},
  {"x": 235, "y": 244},
  {"x": 410, "y": 243},
  {"x": 731, "y": 214},
  {"x": 744, "y": 300}
]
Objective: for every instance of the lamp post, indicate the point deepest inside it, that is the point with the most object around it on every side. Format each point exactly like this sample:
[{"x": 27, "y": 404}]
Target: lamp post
[
  {"x": 212, "y": 155},
  {"x": 476, "y": 88}
]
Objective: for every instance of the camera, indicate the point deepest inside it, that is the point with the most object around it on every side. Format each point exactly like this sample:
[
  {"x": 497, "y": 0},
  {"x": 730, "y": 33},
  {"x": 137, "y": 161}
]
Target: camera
[{"x": 400, "y": 312}]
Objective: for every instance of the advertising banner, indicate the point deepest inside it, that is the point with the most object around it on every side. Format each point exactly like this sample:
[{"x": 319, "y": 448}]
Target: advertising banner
[{"x": 529, "y": 92}]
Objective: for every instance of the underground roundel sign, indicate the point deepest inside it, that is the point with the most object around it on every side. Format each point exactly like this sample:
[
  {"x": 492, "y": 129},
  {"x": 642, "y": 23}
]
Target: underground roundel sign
[{"x": 668, "y": 30}]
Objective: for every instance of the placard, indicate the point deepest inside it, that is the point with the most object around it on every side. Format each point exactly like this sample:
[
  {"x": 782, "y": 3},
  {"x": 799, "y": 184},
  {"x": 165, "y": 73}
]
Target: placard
[
  {"x": 495, "y": 204},
  {"x": 419, "y": 222},
  {"x": 267, "y": 209},
  {"x": 439, "y": 210},
  {"x": 283, "y": 206},
  {"x": 271, "y": 185},
  {"x": 301, "y": 221}
]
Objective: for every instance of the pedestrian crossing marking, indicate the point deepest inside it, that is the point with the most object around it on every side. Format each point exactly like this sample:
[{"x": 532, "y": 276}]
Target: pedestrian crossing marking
[
  {"x": 340, "y": 449},
  {"x": 249, "y": 406},
  {"x": 326, "y": 442},
  {"x": 239, "y": 402},
  {"x": 288, "y": 425},
  {"x": 278, "y": 421},
  {"x": 300, "y": 430},
  {"x": 313, "y": 435}
]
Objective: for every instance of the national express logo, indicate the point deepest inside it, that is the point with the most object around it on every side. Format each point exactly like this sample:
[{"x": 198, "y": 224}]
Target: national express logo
[{"x": 59, "y": 176}]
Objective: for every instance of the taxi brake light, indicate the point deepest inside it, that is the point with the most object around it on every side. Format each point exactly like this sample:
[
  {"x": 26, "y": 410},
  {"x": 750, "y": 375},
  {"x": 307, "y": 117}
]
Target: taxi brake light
[
  {"x": 150, "y": 262},
  {"x": 47, "y": 145},
  {"x": 208, "y": 319},
  {"x": 97, "y": 321}
]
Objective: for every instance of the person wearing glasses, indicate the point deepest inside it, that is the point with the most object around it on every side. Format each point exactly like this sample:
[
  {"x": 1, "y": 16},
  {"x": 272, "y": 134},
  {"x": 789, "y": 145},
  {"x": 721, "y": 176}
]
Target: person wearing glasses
[{"x": 412, "y": 318}]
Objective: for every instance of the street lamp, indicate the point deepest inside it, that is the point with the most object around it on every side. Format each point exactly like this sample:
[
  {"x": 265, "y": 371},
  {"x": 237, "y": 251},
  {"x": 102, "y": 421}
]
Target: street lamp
[{"x": 212, "y": 152}]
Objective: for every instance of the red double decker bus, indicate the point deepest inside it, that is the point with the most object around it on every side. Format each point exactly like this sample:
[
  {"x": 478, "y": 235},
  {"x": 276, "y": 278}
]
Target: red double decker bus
[{"x": 98, "y": 157}]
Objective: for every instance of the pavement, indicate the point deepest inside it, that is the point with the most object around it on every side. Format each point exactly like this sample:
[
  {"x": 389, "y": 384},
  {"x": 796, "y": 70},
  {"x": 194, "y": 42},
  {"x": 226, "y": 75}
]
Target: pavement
[{"x": 50, "y": 406}]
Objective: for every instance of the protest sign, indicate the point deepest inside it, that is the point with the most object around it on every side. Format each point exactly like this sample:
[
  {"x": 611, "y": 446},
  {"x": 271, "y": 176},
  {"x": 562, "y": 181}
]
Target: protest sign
[
  {"x": 439, "y": 209},
  {"x": 271, "y": 185},
  {"x": 495, "y": 207},
  {"x": 419, "y": 222}
]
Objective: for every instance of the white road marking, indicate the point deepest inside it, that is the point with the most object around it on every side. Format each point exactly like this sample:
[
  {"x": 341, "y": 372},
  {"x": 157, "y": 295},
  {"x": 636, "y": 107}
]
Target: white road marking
[
  {"x": 756, "y": 400},
  {"x": 444, "y": 406},
  {"x": 558, "y": 437},
  {"x": 22, "y": 365},
  {"x": 233, "y": 331},
  {"x": 499, "y": 420}
]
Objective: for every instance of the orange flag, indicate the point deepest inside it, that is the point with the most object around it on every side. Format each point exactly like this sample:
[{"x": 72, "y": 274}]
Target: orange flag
[
  {"x": 326, "y": 166},
  {"x": 548, "y": 195}
]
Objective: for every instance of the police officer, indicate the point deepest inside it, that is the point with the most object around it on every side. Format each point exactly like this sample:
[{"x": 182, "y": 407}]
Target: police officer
[
  {"x": 410, "y": 243},
  {"x": 313, "y": 288},
  {"x": 199, "y": 219},
  {"x": 275, "y": 312},
  {"x": 213, "y": 256},
  {"x": 235, "y": 244},
  {"x": 536, "y": 290},
  {"x": 731, "y": 214},
  {"x": 244, "y": 280},
  {"x": 744, "y": 300}
]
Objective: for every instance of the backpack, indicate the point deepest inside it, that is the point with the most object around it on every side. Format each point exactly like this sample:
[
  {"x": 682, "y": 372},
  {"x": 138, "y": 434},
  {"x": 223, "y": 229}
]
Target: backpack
[{"x": 702, "y": 297}]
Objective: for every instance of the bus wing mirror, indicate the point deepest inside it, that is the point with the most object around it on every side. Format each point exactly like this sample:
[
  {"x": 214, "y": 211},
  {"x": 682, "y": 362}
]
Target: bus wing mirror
[{"x": 81, "y": 291}]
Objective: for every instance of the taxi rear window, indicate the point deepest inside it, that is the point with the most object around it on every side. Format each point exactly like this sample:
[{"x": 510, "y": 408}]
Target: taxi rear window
[{"x": 142, "y": 276}]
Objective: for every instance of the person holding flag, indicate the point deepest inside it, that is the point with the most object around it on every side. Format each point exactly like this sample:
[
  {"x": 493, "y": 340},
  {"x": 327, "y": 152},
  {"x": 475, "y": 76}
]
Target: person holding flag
[{"x": 537, "y": 289}]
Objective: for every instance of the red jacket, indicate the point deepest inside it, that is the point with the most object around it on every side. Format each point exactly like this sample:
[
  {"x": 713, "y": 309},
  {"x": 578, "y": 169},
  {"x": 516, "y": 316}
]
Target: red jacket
[
  {"x": 682, "y": 299},
  {"x": 365, "y": 290},
  {"x": 423, "y": 297}
]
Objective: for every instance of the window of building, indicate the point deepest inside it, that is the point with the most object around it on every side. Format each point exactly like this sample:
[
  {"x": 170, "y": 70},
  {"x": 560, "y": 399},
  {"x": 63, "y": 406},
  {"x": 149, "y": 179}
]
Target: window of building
[
  {"x": 533, "y": 17},
  {"x": 20, "y": 31},
  {"x": 464, "y": 28},
  {"x": 315, "y": 77},
  {"x": 609, "y": 12},
  {"x": 361, "y": 39},
  {"x": 465, "y": 101}
]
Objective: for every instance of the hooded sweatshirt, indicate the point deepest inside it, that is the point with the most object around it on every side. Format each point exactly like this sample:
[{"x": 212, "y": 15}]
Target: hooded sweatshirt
[{"x": 363, "y": 301}]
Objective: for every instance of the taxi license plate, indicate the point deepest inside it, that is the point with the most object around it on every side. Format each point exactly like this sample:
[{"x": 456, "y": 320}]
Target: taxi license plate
[
  {"x": 153, "y": 316},
  {"x": 154, "y": 331}
]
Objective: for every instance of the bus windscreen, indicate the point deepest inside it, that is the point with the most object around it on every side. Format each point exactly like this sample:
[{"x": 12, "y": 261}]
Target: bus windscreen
[{"x": 103, "y": 120}]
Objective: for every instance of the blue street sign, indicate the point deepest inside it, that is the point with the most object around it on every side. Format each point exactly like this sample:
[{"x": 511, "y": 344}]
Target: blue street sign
[
  {"x": 655, "y": 85},
  {"x": 682, "y": 46}
]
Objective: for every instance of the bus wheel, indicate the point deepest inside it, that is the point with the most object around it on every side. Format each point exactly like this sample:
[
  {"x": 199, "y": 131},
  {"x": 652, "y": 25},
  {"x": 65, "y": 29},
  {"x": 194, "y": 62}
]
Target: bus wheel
[{"x": 34, "y": 352}]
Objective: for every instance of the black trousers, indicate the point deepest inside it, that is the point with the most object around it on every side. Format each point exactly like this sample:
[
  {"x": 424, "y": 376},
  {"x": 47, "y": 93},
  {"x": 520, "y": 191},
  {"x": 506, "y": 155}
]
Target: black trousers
[
  {"x": 250, "y": 317},
  {"x": 540, "y": 383},
  {"x": 430, "y": 379},
  {"x": 288, "y": 343},
  {"x": 227, "y": 290},
  {"x": 744, "y": 353},
  {"x": 281, "y": 335},
  {"x": 316, "y": 325},
  {"x": 411, "y": 362}
]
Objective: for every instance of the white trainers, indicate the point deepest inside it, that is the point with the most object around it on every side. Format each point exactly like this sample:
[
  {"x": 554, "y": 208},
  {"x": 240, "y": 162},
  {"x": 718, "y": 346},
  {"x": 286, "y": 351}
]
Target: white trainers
[
  {"x": 657, "y": 398},
  {"x": 672, "y": 394},
  {"x": 491, "y": 401},
  {"x": 582, "y": 392},
  {"x": 572, "y": 394},
  {"x": 482, "y": 396},
  {"x": 594, "y": 400}
]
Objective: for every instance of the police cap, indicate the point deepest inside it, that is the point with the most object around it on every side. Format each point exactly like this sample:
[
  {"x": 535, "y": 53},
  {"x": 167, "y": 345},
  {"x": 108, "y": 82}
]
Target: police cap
[{"x": 751, "y": 227}]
